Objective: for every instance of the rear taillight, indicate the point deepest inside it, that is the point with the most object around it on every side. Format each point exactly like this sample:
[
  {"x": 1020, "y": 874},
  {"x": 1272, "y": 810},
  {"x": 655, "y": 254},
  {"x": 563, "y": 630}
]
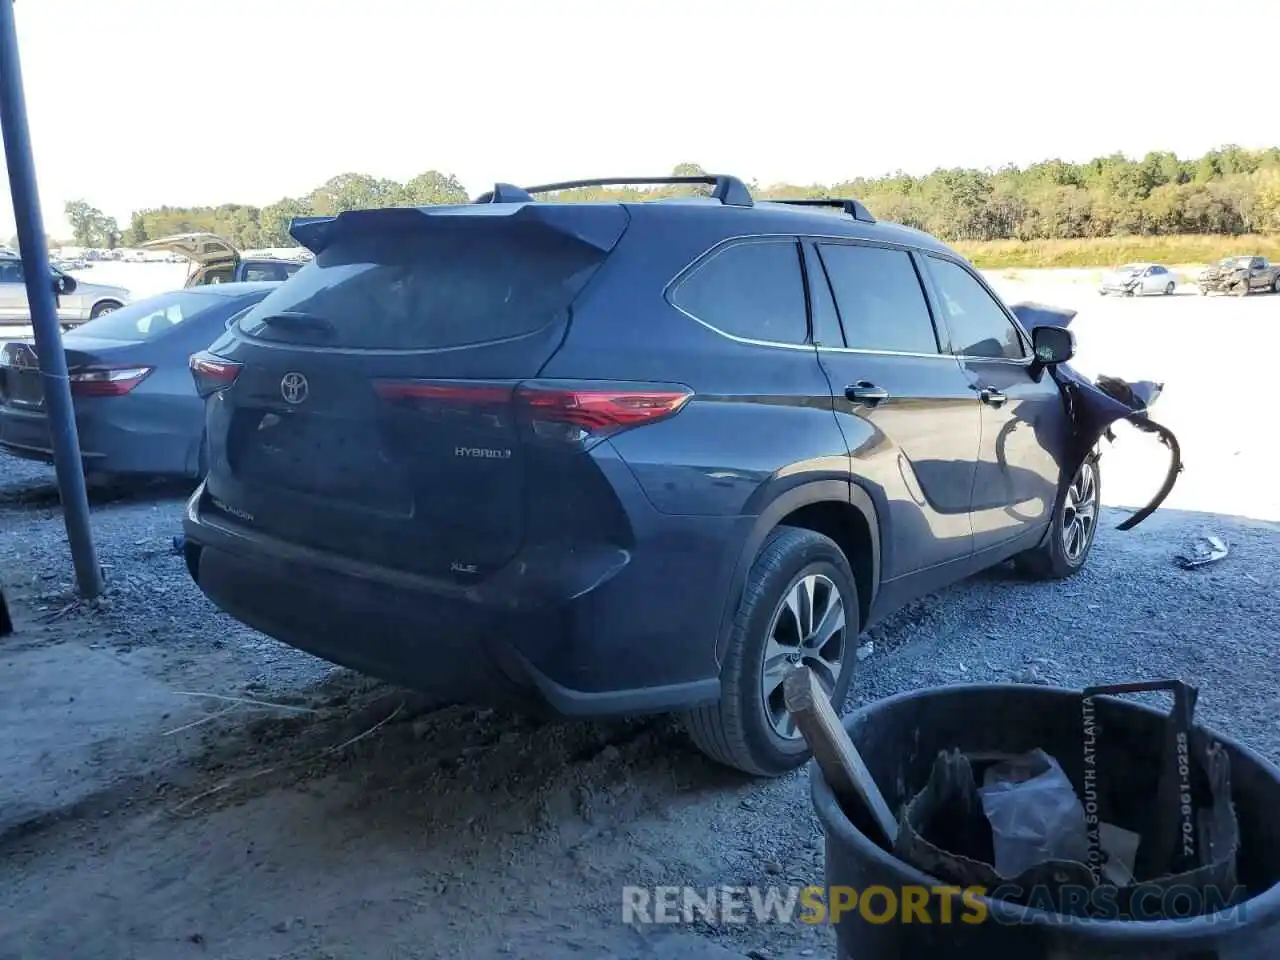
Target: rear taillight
[
  {"x": 212, "y": 373},
  {"x": 106, "y": 381},
  {"x": 576, "y": 412},
  {"x": 584, "y": 412}
]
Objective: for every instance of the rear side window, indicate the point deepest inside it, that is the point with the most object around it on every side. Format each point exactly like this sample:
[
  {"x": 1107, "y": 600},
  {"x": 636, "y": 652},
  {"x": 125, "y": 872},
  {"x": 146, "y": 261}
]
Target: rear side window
[
  {"x": 217, "y": 275},
  {"x": 422, "y": 290},
  {"x": 148, "y": 319},
  {"x": 750, "y": 290},
  {"x": 266, "y": 271},
  {"x": 881, "y": 302},
  {"x": 979, "y": 328}
]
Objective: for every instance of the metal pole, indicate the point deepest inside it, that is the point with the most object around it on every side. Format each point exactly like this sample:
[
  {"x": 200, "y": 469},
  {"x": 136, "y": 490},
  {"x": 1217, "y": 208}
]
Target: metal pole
[{"x": 44, "y": 315}]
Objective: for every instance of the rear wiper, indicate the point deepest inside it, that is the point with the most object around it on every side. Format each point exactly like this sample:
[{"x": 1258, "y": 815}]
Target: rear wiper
[{"x": 294, "y": 318}]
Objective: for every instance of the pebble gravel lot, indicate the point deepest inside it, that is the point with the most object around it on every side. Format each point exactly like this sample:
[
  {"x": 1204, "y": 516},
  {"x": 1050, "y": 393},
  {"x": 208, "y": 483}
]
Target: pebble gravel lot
[{"x": 176, "y": 785}]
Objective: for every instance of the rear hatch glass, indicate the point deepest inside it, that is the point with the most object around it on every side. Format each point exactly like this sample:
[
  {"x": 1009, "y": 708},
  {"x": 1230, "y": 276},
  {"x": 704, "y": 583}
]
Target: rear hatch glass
[
  {"x": 427, "y": 290},
  {"x": 374, "y": 416}
]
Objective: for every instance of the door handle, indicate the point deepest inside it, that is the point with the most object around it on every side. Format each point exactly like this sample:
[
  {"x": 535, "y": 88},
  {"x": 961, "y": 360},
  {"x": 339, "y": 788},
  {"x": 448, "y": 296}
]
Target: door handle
[
  {"x": 992, "y": 397},
  {"x": 865, "y": 392}
]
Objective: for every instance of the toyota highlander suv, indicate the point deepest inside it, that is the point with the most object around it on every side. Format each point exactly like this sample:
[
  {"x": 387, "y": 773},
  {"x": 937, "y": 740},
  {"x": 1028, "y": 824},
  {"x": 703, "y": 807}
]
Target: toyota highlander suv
[{"x": 630, "y": 457}]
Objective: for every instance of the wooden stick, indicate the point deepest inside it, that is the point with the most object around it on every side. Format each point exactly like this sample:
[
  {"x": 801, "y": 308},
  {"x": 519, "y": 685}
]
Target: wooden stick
[{"x": 841, "y": 764}]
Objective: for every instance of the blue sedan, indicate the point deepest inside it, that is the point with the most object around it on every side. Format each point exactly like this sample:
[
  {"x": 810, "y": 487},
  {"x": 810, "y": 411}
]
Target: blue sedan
[{"x": 137, "y": 410}]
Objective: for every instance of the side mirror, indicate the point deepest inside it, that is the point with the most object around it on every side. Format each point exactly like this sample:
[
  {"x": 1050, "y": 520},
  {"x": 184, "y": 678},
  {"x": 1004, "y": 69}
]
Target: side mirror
[
  {"x": 1053, "y": 345},
  {"x": 63, "y": 284}
]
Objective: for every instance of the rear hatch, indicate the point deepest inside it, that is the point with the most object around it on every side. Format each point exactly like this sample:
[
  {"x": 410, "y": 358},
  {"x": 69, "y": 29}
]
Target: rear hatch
[
  {"x": 201, "y": 250},
  {"x": 373, "y": 408}
]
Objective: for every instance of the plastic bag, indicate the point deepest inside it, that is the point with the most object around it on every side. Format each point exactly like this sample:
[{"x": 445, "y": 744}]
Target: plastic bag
[{"x": 1034, "y": 813}]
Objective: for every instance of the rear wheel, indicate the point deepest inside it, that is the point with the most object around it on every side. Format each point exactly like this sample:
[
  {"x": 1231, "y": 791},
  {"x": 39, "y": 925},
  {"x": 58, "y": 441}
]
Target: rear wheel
[
  {"x": 1075, "y": 521},
  {"x": 799, "y": 606},
  {"x": 105, "y": 307}
]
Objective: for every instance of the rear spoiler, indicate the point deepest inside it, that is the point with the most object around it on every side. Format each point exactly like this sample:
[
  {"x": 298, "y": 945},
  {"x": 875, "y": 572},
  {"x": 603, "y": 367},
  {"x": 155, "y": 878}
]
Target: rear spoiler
[{"x": 598, "y": 226}]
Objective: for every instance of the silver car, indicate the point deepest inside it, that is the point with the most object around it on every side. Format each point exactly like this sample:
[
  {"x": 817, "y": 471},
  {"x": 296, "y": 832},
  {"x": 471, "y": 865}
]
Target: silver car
[
  {"x": 84, "y": 303},
  {"x": 1139, "y": 279}
]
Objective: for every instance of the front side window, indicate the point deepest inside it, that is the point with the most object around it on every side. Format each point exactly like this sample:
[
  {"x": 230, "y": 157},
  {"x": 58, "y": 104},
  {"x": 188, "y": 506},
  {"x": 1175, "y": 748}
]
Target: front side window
[
  {"x": 750, "y": 290},
  {"x": 878, "y": 294},
  {"x": 979, "y": 327}
]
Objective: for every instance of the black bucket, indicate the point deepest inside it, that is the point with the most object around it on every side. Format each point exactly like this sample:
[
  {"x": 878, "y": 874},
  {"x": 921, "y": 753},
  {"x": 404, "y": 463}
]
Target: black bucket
[{"x": 900, "y": 738}]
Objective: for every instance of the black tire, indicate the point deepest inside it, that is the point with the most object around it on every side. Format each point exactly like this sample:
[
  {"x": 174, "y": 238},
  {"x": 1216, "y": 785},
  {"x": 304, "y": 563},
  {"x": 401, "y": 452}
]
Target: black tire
[
  {"x": 106, "y": 306},
  {"x": 1168, "y": 289},
  {"x": 1275, "y": 284},
  {"x": 1052, "y": 560},
  {"x": 737, "y": 731}
]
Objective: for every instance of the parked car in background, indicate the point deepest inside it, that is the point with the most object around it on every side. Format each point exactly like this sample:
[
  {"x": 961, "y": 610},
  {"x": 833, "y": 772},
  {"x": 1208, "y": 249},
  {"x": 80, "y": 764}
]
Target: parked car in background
[
  {"x": 137, "y": 411},
  {"x": 591, "y": 453},
  {"x": 216, "y": 261},
  {"x": 1241, "y": 276},
  {"x": 87, "y": 302},
  {"x": 1138, "y": 280}
]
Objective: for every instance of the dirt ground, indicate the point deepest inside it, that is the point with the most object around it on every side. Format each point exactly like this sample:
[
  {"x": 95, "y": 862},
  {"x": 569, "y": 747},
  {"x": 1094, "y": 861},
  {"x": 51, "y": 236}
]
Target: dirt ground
[{"x": 176, "y": 785}]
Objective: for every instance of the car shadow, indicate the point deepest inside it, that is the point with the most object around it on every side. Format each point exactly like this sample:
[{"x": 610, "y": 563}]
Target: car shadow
[{"x": 43, "y": 491}]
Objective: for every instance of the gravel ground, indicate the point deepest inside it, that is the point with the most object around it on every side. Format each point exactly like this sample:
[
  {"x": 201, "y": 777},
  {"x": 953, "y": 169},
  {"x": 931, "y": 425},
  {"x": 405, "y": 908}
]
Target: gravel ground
[{"x": 353, "y": 821}]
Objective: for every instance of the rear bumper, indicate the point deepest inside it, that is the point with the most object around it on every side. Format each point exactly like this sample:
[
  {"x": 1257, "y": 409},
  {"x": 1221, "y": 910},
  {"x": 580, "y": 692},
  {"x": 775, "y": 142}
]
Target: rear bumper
[
  {"x": 25, "y": 434},
  {"x": 590, "y": 630},
  {"x": 105, "y": 447}
]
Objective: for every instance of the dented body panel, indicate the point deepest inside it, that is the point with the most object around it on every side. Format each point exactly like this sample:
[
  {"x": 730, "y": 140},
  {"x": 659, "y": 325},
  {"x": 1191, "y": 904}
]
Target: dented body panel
[{"x": 1094, "y": 406}]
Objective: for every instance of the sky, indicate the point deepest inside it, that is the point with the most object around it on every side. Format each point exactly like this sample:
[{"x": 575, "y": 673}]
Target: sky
[{"x": 139, "y": 103}]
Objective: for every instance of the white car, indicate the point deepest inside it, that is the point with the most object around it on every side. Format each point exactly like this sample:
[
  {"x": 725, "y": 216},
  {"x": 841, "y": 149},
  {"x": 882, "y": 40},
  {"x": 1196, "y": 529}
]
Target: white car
[
  {"x": 1139, "y": 279},
  {"x": 86, "y": 301}
]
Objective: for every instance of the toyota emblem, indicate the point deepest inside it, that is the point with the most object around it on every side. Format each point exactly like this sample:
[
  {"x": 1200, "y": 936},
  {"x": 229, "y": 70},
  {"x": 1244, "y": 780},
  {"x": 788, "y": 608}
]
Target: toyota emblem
[{"x": 293, "y": 387}]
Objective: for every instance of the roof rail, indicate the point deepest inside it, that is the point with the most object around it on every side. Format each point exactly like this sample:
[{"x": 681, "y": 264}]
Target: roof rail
[
  {"x": 853, "y": 208},
  {"x": 728, "y": 190},
  {"x": 504, "y": 193}
]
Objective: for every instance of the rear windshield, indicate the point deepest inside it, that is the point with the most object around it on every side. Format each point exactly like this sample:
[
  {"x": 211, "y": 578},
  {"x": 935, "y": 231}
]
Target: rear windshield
[
  {"x": 148, "y": 319},
  {"x": 416, "y": 290}
]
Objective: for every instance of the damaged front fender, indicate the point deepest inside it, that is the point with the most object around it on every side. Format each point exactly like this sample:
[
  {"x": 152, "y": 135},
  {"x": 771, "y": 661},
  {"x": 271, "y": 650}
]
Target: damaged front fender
[{"x": 1093, "y": 406}]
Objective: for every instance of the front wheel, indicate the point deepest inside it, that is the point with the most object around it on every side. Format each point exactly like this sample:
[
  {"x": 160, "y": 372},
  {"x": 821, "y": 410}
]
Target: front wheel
[
  {"x": 103, "y": 308},
  {"x": 1241, "y": 289},
  {"x": 1071, "y": 535},
  {"x": 799, "y": 606},
  {"x": 1168, "y": 288},
  {"x": 1275, "y": 285}
]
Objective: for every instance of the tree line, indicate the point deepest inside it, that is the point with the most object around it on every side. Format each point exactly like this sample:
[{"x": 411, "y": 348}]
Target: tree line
[{"x": 1228, "y": 191}]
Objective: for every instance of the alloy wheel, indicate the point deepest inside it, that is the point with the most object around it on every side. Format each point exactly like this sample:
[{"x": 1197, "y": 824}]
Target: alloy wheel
[
  {"x": 809, "y": 628},
  {"x": 1080, "y": 513}
]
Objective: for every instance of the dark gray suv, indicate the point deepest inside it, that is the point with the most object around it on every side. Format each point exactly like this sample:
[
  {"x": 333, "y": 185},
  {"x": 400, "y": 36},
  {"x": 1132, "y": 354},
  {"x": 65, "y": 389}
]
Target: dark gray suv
[{"x": 630, "y": 457}]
